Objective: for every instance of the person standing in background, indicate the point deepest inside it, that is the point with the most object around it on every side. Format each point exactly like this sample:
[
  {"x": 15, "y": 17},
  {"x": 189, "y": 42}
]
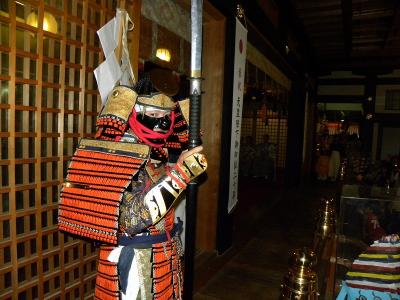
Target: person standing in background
[
  {"x": 246, "y": 157},
  {"x": 334, "y": 159},
  {"x": 264, "y": 163},
  {"x": 322, "y": 165}
]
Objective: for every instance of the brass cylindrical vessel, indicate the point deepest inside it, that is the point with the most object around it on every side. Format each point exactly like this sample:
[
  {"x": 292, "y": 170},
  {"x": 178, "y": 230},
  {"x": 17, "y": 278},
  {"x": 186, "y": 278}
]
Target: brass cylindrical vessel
[
  {"x": 300, "y": 282},
  {"x": 326, "y": 220},
  {"x": 324, "y": 240},
  {"x": 342, "y": 170}
]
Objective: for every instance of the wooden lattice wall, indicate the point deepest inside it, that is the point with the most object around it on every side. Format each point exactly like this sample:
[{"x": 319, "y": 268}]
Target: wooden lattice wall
[
  {"x": 267, "y": 117},
  {"x": 48, "y": 101}
]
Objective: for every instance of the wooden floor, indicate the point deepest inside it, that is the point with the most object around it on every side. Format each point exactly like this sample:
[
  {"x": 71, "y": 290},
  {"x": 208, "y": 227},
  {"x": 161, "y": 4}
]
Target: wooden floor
[{"x": 285, "y": 221}]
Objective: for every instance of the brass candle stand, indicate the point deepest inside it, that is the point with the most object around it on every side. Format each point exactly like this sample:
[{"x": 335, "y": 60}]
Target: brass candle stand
[
  {"x": 326, "y": 221},
  {"x": 324, "y": 242},
  {"x": 300, "y": 282}
]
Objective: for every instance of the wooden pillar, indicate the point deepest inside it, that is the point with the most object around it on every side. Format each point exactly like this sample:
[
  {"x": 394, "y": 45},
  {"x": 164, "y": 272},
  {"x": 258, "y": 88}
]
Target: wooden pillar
[
  {"x": 295, "y": 132},
  {"x": 213, "y": 71},
  {"x": 367, "y": 125}
]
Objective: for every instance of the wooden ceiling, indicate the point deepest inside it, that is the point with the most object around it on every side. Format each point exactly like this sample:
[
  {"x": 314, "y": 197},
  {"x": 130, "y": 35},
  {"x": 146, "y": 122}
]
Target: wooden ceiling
[{"x": 352, "y": 34}]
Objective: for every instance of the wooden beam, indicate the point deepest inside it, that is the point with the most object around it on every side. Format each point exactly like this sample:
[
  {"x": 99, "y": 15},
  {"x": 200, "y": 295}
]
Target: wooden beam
[
  {"x": 306, "y": 5},
  {"x": 341, "y": 81},
  {"x": 373, "y": 53},
  {"x": 369, "y": 3},
  {"x": 256, "y": 38},
  {"x": 388, "y": 119},
  {"x": 393, "y": 32},
  {"x": 321, "y": 13},
  {"x": 378, "y": 28},
  {"x": 347, "y": 25},
  {"x": 311, "y": 21},
  {"x": 374, "y": 40},
  {"x": 340, "y": 99},
  {"x": 331, "y": 26},
  {"x": 325, "y": 34},
  {"x": 361, "y": 67},
  {"x": 331, "y": 43},
  {"x": 388, "y": 81},
  {"x": 369, "y": 35},
  {"x": 372, "y": 14}
]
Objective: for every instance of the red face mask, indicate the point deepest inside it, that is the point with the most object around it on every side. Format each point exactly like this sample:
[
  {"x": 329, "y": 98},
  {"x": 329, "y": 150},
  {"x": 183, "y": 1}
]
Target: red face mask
[{"x": 148, "y": 135}]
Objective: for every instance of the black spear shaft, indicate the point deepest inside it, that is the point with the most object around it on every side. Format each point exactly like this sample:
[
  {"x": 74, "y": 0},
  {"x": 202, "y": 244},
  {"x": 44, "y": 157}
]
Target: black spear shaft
[{"x": 194, "y": 141}]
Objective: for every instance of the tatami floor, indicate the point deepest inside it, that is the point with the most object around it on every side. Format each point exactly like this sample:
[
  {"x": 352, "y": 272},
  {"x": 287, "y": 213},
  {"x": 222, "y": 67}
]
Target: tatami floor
[{"x": 284, "y": 221}]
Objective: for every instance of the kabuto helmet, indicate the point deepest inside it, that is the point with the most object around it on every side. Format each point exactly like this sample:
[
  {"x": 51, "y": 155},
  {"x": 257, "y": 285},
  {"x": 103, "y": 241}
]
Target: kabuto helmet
[
  {"x": 152, "y": 118},
  {"x": 141, "y": 113}
]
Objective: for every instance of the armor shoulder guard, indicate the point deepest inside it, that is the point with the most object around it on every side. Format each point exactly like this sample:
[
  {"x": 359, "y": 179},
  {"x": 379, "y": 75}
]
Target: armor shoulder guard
[
  {"x": 113, "y": 119},
  {"x": 98, "y": 174}
]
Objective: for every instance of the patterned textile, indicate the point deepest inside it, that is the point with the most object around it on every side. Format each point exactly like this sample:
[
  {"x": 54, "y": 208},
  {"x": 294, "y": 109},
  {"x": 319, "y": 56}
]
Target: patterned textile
[
  {"x": 375, "y": 272},
  {"x": 97, "y": 176},
  {"x": 134, "y": 216}
]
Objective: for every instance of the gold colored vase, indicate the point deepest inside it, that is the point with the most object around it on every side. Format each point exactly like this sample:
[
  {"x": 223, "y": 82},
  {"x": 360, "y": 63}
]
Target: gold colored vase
[{"x": 300, "y": 282}]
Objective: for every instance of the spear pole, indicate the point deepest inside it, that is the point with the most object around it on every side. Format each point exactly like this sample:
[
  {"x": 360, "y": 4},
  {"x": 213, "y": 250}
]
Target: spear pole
[{"x": 194, "y": 141}]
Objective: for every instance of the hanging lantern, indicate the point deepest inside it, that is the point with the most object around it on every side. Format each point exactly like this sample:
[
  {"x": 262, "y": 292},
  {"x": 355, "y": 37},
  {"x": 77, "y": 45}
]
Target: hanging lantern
[{"x": 49, "y": 21}]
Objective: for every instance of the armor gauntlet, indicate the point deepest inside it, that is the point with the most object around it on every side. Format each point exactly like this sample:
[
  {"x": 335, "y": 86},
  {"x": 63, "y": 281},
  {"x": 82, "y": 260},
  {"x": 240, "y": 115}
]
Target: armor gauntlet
[{"x": 162, "y": 196}]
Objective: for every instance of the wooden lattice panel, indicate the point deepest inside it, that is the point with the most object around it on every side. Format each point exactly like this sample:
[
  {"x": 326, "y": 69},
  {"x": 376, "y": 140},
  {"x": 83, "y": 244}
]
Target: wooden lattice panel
[
  {"x": 48, "y": 101},
  {"x": 273, "y": 123}
]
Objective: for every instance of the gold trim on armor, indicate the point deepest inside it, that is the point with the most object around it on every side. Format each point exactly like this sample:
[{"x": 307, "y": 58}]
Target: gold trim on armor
[
  {"x": 141, "y": 149},
  {"x": 194, "y": 165},
  {"x": 155, "y": 173},
  {"x": 120, "y": 102},
  {"x": 157, "y": 100},
  {"x": 184, "y": 106}
]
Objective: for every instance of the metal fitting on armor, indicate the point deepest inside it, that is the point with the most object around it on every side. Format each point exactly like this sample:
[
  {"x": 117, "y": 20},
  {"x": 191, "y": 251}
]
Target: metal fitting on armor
[
  {"x": 193, "y": 166},
  {"x": 156, "y": 100},
  {"x": 113, "y": 119}
]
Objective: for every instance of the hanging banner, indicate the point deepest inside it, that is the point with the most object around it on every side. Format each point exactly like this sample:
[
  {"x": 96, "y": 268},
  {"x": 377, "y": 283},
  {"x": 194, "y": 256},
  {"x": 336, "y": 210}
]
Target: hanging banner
[{"x": 237, "y": 106}]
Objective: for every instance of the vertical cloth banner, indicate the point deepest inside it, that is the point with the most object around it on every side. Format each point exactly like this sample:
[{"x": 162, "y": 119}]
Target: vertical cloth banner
[{"x": 237, "y": 107}]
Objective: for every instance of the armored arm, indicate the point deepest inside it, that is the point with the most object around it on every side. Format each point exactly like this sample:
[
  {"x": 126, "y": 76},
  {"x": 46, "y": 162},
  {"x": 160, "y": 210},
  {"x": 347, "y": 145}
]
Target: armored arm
[{"x": 160, "y": 197}]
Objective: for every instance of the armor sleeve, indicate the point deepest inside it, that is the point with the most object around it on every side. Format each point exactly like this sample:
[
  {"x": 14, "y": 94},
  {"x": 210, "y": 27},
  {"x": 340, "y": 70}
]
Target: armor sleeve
[
  {"x": 161, "y": 196},
  {"x": 146, "y": 205}
]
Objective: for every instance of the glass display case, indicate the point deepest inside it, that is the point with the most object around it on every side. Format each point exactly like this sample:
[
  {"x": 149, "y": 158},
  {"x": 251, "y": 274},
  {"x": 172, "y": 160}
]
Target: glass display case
[{"x": 366, "y": 214}]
